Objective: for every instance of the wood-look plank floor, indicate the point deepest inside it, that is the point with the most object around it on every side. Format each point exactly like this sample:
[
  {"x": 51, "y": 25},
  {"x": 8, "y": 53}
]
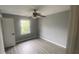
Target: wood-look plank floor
[{"x": 36, "y": 46}]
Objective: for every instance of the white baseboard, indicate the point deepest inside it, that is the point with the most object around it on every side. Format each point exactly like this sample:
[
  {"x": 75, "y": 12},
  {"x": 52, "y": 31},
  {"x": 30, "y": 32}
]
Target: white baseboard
[{"x": 52, "y": 42}]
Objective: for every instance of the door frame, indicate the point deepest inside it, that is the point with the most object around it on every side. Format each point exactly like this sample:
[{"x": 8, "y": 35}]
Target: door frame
[{"x": 73, "y": 29}]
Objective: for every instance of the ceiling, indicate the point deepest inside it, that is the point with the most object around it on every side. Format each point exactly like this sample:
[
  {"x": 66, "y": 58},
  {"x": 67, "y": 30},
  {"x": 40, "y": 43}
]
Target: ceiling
[{"x": 27, "y": 10}]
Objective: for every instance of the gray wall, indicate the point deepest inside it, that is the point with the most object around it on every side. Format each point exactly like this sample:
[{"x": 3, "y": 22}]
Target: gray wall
[
  {"x": 34, "y": 30},
  {"x": 54, "y": 28},
  {"x": 1, "y": 40},
  {"x": 34, "y": 27}
]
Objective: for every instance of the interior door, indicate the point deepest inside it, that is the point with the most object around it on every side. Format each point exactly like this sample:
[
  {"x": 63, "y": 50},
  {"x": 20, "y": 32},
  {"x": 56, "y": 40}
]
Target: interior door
[{"x": 9, "y": 33}]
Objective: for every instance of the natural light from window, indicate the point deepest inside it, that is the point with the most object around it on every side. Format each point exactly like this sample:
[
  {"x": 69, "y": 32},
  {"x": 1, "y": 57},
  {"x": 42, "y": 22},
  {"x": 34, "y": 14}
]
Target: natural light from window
[{"x": 25, "y": 26}]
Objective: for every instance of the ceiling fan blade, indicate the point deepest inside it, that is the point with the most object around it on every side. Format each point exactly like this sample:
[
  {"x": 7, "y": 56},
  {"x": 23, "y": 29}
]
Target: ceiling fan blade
[
  {"x": 38, "y": 7},
  {"x": 41, "y": 15}
]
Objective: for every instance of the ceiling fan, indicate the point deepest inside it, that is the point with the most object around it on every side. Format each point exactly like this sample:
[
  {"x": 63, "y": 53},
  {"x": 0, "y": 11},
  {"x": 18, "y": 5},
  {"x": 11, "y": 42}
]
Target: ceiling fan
[{"x": 36, "y": 14}]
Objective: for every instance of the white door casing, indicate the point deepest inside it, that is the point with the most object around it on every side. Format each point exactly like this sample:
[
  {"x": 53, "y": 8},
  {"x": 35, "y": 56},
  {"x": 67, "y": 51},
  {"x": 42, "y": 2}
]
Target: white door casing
[
  {"x": 1, "y": 40},
  {"x": 73, "y": 31}
]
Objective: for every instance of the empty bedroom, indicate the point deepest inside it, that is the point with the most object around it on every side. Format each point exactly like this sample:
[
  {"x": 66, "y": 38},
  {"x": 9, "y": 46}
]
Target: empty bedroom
[{"x": 34, "y": 29}]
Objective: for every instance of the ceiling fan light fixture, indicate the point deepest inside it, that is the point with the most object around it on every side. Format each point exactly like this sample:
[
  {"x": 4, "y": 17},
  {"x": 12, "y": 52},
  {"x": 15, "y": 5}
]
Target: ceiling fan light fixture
[{"x": 35, "y": 17}]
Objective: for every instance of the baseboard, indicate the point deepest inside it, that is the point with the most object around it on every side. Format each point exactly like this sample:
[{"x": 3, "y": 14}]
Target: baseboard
[
  {"x": 22, "y": 40},
  {"x": 52, "y": 42}
]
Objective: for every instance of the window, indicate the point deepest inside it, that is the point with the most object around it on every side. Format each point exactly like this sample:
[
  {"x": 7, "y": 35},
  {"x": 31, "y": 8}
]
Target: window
[{"x": 25, "y": 26}]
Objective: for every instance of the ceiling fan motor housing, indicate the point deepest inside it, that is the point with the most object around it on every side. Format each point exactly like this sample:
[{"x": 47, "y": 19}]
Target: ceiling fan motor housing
[{"x": 35, "y": 14}]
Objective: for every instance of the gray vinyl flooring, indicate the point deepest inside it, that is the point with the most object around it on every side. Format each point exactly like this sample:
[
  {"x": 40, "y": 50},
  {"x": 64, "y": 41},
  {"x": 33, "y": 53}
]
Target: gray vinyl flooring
[{"x": 36, "y": 46}]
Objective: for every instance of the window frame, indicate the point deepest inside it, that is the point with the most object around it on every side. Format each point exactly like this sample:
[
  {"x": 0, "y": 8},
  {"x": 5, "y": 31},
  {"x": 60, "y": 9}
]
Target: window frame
[{"x": 29, "y": 27}]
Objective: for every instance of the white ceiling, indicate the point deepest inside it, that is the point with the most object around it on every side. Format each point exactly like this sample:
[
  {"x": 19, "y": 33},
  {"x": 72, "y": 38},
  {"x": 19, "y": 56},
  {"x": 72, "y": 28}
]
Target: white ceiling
[{"x": 27, "y": 10}]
